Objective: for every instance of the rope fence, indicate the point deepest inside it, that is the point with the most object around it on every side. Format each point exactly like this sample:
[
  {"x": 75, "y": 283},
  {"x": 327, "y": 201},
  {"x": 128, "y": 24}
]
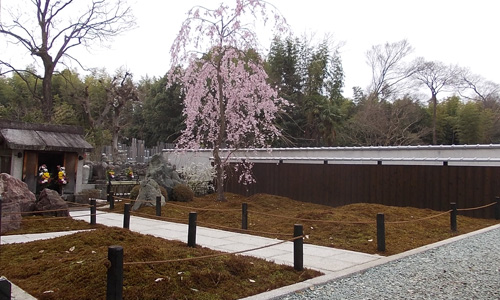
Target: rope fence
[
  {"x": 242, "y": 230},
  {"x": 244, "y": 218},
  {"x": 312, "y": 220},
  {"x": 201, "y": 208},
  {"x": 191, "y": 208},
  {"x": 421, "y": 219},
  {"x": 180, "y": 206},
  {"x": 212, "y": 255},
  {"x": 476, "y": 208},
  {"x": 135, "y": 213},
  {"x": 114, "y": 287},
  {"x": 40, "y": 215},
  {"x": 380, "y": 219},
  {"x": 379, "y": 222},
  {"x": 35, "y": 212}
]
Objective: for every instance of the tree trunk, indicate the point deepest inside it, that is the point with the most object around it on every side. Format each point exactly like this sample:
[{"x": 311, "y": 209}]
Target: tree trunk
[
  {"x": 222, "y": 129},
  {"x": 47, "y": 101},
  {"x": 115, "y": 131},
  {"x": 434, "y": 118},
  {"x": 219, "y": 175}
]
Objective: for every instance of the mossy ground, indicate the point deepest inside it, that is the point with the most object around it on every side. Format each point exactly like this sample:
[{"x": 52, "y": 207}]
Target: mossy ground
[
  {"x": 75, "y": 267},
  {"x": 53, "y": 269}
]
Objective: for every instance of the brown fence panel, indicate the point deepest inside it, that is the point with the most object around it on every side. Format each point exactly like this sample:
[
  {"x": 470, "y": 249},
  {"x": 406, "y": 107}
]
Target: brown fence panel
[
  {"x": 418, "y": 186},
  {"x": 444, "y": 186}
]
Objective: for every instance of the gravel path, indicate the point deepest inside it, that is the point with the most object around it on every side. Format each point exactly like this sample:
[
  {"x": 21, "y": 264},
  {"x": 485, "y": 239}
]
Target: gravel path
[{"x": 465, "y": 269}]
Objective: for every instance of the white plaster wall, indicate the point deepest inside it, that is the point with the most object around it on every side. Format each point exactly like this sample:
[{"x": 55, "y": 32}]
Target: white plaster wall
[{"x": 463, "y": 155}]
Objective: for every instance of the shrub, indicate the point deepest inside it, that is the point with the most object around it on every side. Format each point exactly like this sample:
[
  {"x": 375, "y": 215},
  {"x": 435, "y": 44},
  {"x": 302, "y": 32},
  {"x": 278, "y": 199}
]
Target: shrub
[
  {"x": 134, "y": 192},
  {"x": 182, "y": 193}
]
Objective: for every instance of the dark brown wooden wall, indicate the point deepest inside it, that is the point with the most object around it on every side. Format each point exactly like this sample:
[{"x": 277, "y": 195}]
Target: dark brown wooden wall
[{"x": 418, "y": 186}]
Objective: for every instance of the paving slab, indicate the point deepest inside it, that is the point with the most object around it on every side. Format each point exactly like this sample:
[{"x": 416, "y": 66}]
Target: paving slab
[
  {"x": 324, "y": 259},
  {"x": 25, "y": 238}
]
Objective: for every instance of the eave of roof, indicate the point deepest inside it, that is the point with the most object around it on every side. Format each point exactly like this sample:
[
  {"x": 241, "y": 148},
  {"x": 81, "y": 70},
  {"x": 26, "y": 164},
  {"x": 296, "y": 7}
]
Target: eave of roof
[{"x": 38, "y": 140}]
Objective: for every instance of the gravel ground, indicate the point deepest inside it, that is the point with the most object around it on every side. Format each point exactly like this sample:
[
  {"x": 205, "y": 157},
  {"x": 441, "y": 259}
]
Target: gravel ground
[{"x": 465, "y": 269}]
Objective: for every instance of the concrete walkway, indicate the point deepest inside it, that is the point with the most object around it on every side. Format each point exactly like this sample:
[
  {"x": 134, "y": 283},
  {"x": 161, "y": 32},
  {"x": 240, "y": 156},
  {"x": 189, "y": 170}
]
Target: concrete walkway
[
  {"x": 324, "y": 259},
  {"x": 327, "y": 260}
]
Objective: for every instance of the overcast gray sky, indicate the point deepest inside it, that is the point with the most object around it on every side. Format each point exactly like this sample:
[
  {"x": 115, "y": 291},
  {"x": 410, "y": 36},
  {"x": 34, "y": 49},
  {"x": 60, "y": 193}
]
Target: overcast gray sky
[{"x": 452, "y": 31}]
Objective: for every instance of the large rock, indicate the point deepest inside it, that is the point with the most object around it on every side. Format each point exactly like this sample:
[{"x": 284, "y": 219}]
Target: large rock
[
  {"x": 14, "y": 190},
  {"x": 11, "y": 217},
  {"x": 49, "y": 201},
  {"x": 16, "y": 198},
  {"x": 163, "y": 173},
  {"x": 147, "y": 194}
]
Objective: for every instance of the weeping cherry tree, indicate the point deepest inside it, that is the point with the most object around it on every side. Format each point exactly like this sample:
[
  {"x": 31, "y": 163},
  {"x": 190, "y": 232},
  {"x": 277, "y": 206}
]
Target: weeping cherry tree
[{"x": 228, "y": 102}]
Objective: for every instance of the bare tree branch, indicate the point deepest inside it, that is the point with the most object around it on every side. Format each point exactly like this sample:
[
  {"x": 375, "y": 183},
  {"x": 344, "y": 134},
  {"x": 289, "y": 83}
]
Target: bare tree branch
[
  {"x": 437, "y": 77},
  {"x": 389, "y": 71},
  {"x": 57, "y": 34},
  {"x": 482, "y": 89}
]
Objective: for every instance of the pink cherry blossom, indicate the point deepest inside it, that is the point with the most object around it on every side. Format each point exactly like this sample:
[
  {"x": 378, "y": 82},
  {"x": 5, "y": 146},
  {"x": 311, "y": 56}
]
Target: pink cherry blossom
[{"x": 228, "y": 102}]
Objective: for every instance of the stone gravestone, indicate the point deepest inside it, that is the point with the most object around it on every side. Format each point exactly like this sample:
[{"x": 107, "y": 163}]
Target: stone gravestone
[
  {"x": 16, "y": 198},
  {"x": 51, "y": 200},
  {"x": 99, "y": 171},
  {"x": 86, "y": 174}
]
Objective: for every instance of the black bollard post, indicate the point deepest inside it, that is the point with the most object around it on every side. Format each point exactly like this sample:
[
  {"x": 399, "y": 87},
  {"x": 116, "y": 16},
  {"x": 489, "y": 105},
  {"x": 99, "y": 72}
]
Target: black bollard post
[
  {"x": 380, "y": 232},
  {"x": 453, "y": 216},
  {"x": 114, "y": 289},
  {"x": 298, "y": 247},
  {"x": 5, "y": 288},
  {"x": 108, "y": 188},
  {"x": 126, "y": 215},
  {"x": 497, "y": 209},
  {"x": 158, "y": 206},
  {"x": 111, "y": 200},
  {"x": 244, "y": 216},
  {"x": 192, "y": 230},
  {"x": 93, "y": 211}
]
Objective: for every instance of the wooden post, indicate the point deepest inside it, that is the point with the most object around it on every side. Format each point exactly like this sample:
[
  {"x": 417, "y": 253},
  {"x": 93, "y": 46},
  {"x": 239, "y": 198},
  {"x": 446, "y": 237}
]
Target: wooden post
[
  {"x": 244, "y": 216},
  {"x": 158, "y": 206},
  {"x": 453, "y": 216},
  {"x": 380, "y": 232},
  {"x": 114, "y": 289},
  {"x": 298, "y": 247},
  {"x": 93, "y": 211},
  {"x": 126, "y": 216},
  {"x": 192, "y": 230}
]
